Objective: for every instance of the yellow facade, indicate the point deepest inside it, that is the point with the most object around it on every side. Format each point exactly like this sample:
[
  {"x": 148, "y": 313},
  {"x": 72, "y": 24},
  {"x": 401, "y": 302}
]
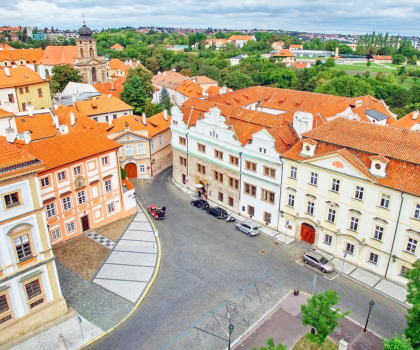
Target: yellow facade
[{"x": 37, "y": 94}]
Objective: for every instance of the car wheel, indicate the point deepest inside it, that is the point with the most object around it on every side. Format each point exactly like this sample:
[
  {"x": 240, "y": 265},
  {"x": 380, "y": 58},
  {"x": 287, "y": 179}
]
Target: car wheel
[
  {"x": 323, "y": 270},
  {"x": 237, "y": 227},
  {"x": 192, "y": 203},
  {"x": 249, "y": 234},
  {"x": 305, "y": 261},
  {"x": 202, "y": 208},
  {"x": 207, "y": 211}
]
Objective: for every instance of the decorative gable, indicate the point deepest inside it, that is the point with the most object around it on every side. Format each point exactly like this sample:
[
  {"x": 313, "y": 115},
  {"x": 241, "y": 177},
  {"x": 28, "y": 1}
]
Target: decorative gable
[
  {"x": 177, "y": 118},
  {"x": 262, "y": 142},
  {"x": 308, "y": 147},
  {"x": 378, "y": 165}
]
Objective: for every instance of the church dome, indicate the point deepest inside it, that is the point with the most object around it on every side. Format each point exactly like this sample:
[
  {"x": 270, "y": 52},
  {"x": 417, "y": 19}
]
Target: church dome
[{"x": 85, "y": 32}]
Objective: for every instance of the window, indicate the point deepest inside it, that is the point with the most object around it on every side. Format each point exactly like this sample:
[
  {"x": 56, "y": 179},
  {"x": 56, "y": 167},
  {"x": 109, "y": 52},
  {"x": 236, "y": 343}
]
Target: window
[
  {"x": 379, "y": 231},
  {"x": 11, "y": 200},
  {"x": 250, "y": 190},
  {"x": 263, "y": 150},
  {"x": 174, "y": 122},
  {"x": 81, "y": 197},
  {"x": 385, "y": 201},
  {"x": 45, "y": 182},
  {"x": 354, "y": 223},
  {"x": 26, "y": 89},
  {"x": 4, "y": 306},
  {"x": 267, "y": 217},
  {"x": 269, "y": 172},
  {"x": 152, "y": 144},
  {"x": 331, "y": 215},
  {"x": 50, "y": 209},
  {"x": 291, "y": 201},
  {"x": 105, "y": 159},
  {"x": 95, "y": 119},
  {"x": 71, "y": 227},
  {"x": 267, "y": 196},
  {"x": 310, "y": 208},
  {"x": 201, "y": 148},
  {"x": 183, "y": 161},
  {"x": 66, "y": 203},
  {"x": 160, "y": 140},
  {"x": 21, "y": 91},
  {"x": 140, "y": 149},
  {"x": 359, "y": 193},
  {"x": 201, "y": 169},
  {"x": 23, "y": 247},
  {"x": 111, "y": 207},
  {"x": 218, "y": 176},
  {"x": 233, "y": 160},
  {"x": 128, "y": 151},
  {"x": 327, "y": 239},
  {"x": 61, "y": 176},
  {"x": 373, "y": 258},
  {"x": 350, "y": 248},
  {"x": 230, "y": 201},
  {"x": 220, "y": 196},
  {"x": 55, "y": 234},
  {"x": 402, "y": 271},
  {"x": 108, "y": 185},
  {"x": 335, "y": 185},
  {"x": 251, "y": 210},
  {"x": 114, "y": 116},
  {"x": 182, "y": 141},
  {"x": 106, "y": 118},
  {"x": 39, "y": 92},
  {"x": 417, "y": 212},
  {"x": 411, "y": 246},
  {"x": 77, "y": 170},
  {"x": 314, "y": 179},
  {"x": 142, "y": 168},
  {"x": 218, "y": 154},
  {"x": 33, "y": 289},
  {"x": 233, "y": 183},
  {"x": 250, "y": 166},
  {"x": 11, "y": 98},
  {"x": 24, "y": 107}
]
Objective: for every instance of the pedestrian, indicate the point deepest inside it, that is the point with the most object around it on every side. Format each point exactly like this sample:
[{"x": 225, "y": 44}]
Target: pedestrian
[
  {"x": 164, "y": 208},
  {"x": 199, "y": 193}
]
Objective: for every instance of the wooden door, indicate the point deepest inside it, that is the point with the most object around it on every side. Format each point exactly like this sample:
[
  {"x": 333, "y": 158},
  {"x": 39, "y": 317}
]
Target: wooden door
[
  {"x": 307, "y": 233},
  {"x": 131, "y": 170},
  {"x": 85, "y": 223}
]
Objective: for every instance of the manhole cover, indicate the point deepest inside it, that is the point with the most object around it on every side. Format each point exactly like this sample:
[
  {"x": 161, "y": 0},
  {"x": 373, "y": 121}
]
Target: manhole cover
[{"x": 262, "y": 251}]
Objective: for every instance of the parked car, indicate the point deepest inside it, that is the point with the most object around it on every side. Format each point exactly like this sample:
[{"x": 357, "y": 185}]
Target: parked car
[
  {"x": 156, "y": 212},
  {"x": 218, "y": 212},
  {"x": 318, "y": 261},
  {"x": 248, "y": 227},
  {"x": 200, "y": 203}
]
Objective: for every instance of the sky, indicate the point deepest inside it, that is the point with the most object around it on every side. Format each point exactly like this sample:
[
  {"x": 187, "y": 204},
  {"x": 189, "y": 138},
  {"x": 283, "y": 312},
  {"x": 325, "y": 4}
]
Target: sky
[{"x": 320, "y": 16}]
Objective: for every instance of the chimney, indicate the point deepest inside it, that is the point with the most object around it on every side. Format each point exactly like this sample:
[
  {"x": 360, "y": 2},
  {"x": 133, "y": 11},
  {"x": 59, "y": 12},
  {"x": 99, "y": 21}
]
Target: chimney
[
  {"x": 144, "y": 118},
  {"x": 30, "y": 109},
  {"x": 55, "y": 104},
  {"x": 109, "y": 120},
  {"x": 138, "y": 62},
  {"x": 126, "y": 62},
  {"x": 223, "y": 90},
  {"x": 415, "y": 115},
  {"x": 55, "y": 121},
  {"x": 130, "y": 63},
  {"x": 27, "y": 136},
  {"x": 72, "y": 121},
  {"x": 358, "y": 103},
  {"x": 10, "y": 135},
  {"x": 164, "y": 74},
  {"x": 41, "y": 71},
  {"x": 7, "y": 71},
  {"x": 165, "y": 114},
  {"x": 336, "y": 51},
  {"x": 204, "y": 92},
  {"x": 64, "y": 129},
  {"x": 112, "y": 85},
  {"x": 73, "y": 98},
  {"x": 159, "y": 72}
]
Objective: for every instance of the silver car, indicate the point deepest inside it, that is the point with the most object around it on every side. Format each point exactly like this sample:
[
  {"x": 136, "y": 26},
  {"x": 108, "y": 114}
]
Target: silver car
[
  {"x": 248, "y": 227},
  {"x": 318, "y": 261}
]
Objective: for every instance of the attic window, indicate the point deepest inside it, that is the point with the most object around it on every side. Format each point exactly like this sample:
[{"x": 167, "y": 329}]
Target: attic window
[
  {"x": 136, "y": 119},
  {"x": 23, "y": 120},
  {"x": 26, "y": 76},
  {"x": 378, "y": 166}
]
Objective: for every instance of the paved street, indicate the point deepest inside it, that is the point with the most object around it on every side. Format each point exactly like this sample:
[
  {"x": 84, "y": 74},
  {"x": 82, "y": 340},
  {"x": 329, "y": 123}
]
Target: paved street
[{"x": 206, "y": 261}]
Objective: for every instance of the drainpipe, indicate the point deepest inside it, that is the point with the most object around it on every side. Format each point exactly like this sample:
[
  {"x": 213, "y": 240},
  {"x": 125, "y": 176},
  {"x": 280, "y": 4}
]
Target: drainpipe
[
  {"x": 395, "y": 235},
  {"x": 150, "y": 159},
  {"x": 240, "y": 177},
  {"x": 281, "y": 184},
  {"x": 186, "y": 136}
]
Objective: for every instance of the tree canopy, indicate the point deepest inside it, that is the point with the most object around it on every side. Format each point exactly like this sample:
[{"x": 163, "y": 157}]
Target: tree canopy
[
  {"x": 62, "y": 75},
  {"x": 134, "y": 95}
]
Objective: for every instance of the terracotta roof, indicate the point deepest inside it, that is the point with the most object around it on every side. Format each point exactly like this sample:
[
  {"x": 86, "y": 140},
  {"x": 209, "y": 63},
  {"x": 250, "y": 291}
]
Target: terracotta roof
[
  {"x": 56, "y": 55},
  {"x": 168, "y": 79},
  {"x": 14, "y": 160},
  {"x": 310, "y": 141},
  {"x": 383, "y": 58},
  {"x": 190, "y": 89},
  {"x": 295, "y": 46},
  {"x": 284, "y": 53},
  {"x": 65, "y": 149},
  {"x": 13, "y": 55},
  {"x": 40, "y": 125},
  {"x": 102, "y": 105},
  {"x": 240, "y": 37},
  {"x": 5, "y": 46},
  {"x": 20, "y": 75},
  {"x": 5, "y": 114},
  {"x": 202, "y": 79},
  {"x": 81, "y": 122},
  {"x": 407, "y": 121},
  {"x": 213, "y": 91},
  {"x": 155, "y": 125},
  {"x": 380, "y": 158},
  {"x": 117, "y": 47},
  {"x": 113, "y": 88},
  {"x": 127, "y": 184},
  {"x": 116, "y": 63},
  {"x": 299, "y": 65}
]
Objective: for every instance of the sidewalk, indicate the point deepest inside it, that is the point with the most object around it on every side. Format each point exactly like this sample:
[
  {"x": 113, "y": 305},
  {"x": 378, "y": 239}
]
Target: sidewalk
[{"x": 391, "y": 290}]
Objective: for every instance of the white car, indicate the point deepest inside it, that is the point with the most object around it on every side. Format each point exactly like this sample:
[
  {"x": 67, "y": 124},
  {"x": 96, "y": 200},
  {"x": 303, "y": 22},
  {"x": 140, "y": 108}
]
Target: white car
[{"x": 250, "y": 228}]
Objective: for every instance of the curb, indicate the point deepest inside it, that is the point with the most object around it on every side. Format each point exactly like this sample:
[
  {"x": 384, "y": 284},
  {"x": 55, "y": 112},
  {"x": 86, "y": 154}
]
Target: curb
[{"x": 144, "y": 292}]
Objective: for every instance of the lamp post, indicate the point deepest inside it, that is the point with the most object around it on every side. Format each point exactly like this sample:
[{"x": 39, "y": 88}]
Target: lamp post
[
  {"x": 371, "y": 303},
  {"x": 231, "y": 328},
  {"x": 207, "y": 190}
]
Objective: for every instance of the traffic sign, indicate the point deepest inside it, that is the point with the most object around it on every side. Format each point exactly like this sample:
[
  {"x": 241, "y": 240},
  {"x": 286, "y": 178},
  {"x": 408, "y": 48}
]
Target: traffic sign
[{"x": 345, "y": 254}]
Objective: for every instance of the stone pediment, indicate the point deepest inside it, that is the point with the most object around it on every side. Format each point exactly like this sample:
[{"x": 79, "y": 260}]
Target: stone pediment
[{"x": 129, "y": 138}]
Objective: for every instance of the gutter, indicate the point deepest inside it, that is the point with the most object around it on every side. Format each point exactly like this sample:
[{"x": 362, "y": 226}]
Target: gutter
[
  {"x": 281, "y": 185},
  {"x": 240, "y": 176}
]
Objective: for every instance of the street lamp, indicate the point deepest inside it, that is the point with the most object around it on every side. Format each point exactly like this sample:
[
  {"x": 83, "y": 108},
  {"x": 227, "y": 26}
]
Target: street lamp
[
  {"x": 231, "y": 328},
  {"x": 371, "y": 303}
]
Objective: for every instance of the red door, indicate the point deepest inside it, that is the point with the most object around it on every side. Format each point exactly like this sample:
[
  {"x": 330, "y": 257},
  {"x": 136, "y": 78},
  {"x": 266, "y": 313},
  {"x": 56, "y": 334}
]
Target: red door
[
  {"x": 307, "y": 233},
  {"x": 131, "y": 170},
  {"x": 85, "y": 223}
]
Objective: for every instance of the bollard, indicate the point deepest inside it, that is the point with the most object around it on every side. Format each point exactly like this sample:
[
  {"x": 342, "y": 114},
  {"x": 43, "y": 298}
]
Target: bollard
[
  {"x": 296, "y": 292},
  {"x": 156, "y": 233},
  {"x": 342, "y": 345},
  {"x": 61, "y": 342}
]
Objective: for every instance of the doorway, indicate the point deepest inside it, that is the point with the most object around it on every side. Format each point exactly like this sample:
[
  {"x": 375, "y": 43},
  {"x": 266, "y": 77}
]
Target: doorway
[
  {"x": 93, "y": 75},
  {"x": 307, "y": 233},
  {"x": 131, "y": 170},
  {"x": 85, "y": 223}
]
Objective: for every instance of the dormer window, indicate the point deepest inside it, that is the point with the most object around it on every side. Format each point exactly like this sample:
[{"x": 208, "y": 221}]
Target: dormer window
[
  {"x": 308, "y": 148},
  {"x": 378, "y": 165}
]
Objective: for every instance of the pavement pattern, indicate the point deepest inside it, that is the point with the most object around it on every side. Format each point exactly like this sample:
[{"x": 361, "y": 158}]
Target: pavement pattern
[
  {"x": 130, "y": 266},
  {"x": 98, "y": 238}
]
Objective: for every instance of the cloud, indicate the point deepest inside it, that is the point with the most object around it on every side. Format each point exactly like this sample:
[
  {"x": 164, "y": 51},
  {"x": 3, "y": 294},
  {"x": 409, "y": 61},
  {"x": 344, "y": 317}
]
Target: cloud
[{"x": 321, "y": 16}]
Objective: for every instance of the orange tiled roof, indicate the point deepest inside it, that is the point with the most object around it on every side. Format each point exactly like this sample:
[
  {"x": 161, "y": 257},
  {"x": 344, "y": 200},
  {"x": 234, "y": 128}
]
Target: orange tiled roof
[
  {"x": 380, "y": 158},
  {"x": 295, "y": 46},
  {"x": 65, "y": 149},
  {"x": 213, "y": 91},
  {"x": 21, "y": 75},
  {"x": 168, "y": 79},
  {"x": 240, "y": 37},
  {"x": 5, "y": 46},
  {"x": 102, "y": 105},
  {"x": 56, "y": 55},
  {"x": 202, "y": 79},
  {"x": 113, "y": 88},
  {"x": 116, "y": 63},
  {"x": 40, "y": 125},
  {"x": 284, "y": 53},
  {"x": 190, "y": 89},
  {"x": 299, "y": 65},
  {"x": 154, "y": 124},
  {"x": 13, "y": 160},
  {"x": 5, "y": 114},
  {"x": 117, "y": 47},
  {"x": 127, "y": 183},
  {"x": 383, "y": 58},
  {"x": 81, "y": 122},
  {"x": 407, "y": 121},
  {"x": 13, "y": 55}
]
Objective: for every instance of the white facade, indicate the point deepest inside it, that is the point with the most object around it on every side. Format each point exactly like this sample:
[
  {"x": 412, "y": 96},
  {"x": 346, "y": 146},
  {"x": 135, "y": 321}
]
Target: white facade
[{"x": 8, "y": 100}]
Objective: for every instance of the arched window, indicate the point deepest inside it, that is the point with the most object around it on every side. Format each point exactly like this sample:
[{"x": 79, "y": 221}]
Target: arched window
[
  {"x": 91, "y": 52},
  {"x": 81, "y": 52},
  {"x": 47, "y": 74},
  {"x": 93, "y": 75}
]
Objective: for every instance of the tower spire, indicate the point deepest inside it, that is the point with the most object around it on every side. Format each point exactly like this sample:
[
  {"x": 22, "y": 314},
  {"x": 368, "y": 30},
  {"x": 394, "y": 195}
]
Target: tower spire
[{"x": 83, "y": 15}]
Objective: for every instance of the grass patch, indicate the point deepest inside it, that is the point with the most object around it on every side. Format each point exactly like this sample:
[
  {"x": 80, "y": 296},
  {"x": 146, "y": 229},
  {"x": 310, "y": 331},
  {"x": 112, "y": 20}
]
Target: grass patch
[
  {"x": 305, "y": 344},
  {"x": 115, "y": 229},
  {"x": 82, "y": 255},
  {"x": 364, "y": 68}
]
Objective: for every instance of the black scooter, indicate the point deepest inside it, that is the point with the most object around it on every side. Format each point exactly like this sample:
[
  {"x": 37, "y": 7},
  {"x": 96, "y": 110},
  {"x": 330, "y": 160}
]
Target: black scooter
[{"x": 230, "y": 218}]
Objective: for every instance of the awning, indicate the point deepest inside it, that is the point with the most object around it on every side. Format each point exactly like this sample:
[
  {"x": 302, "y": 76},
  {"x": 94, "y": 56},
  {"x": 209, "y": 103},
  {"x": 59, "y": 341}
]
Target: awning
[{"x": 199, "y": 186}]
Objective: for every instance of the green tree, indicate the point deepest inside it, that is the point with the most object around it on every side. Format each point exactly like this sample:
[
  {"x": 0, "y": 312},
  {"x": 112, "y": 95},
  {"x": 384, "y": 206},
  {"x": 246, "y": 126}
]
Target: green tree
[
  {"x": 62, "y": 75},
  {"x": 152, "y": 64},
  {"x": 318, "y": 313},
  {"x": 272, "y": 346},
  {"x": 330, "y": 62},
  {"x": 148, "y": 109},
  {"x": 144, "y": 76},
  {"x": 397, "y": 343},
  {"x": 345, "y": 49},
  {"x": 413, "y": 297},
  {"x": 368, "y": 64},
  {"x": 347, "y": 86},
  {"x": 134, "y": 95},
  {"x": 164, "y": 94},
  {"x": 398, "y": 59},
  {"x": 237, "y": 80},
  {"x": 284, "y": 78},
  {"x": 123, "y": 173}
]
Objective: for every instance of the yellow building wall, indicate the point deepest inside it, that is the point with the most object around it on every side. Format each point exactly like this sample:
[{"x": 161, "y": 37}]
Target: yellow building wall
[{"x": 33, "y": 97}]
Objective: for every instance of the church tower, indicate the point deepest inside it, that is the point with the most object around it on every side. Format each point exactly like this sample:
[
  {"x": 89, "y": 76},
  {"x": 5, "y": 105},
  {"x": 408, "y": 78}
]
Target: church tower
[{"x": 92, "y": 67}]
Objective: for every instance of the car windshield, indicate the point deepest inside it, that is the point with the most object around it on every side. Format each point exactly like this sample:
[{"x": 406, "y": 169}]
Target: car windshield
[
  {"x": 255, "y": 228},
  {"x": 324, "y": 261}
]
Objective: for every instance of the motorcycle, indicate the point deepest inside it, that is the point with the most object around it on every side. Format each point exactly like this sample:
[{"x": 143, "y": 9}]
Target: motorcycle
[{"x": 230, "y": 218}]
